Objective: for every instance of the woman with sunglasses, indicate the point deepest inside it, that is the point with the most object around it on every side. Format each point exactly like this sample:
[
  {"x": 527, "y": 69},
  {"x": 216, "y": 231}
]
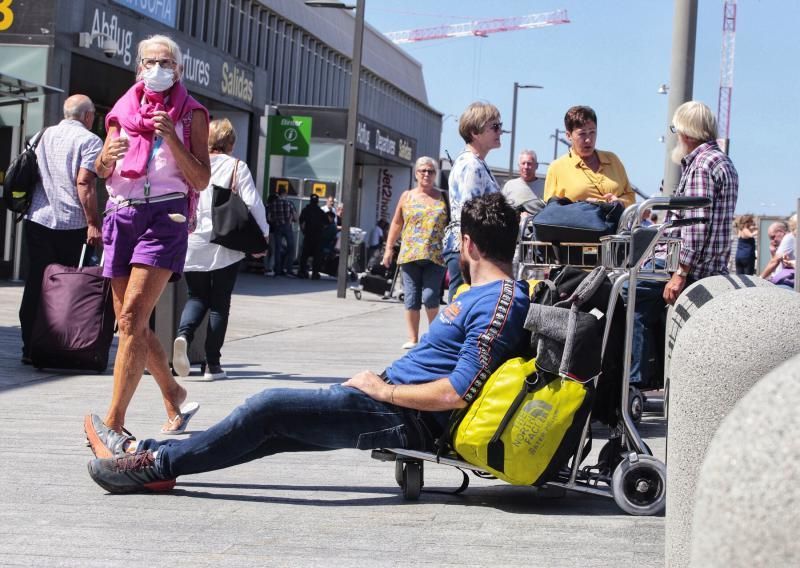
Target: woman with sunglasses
[
  {"x": 420, "y": 219},
  {"x": 154, "y": 160},
  {"x": 480, "y": 127},
  {"x": 585, "y": 173}
]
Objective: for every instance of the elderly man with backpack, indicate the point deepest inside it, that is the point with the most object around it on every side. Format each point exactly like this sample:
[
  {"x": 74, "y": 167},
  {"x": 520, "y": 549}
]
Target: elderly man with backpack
[{"x": 63, "y": 211}]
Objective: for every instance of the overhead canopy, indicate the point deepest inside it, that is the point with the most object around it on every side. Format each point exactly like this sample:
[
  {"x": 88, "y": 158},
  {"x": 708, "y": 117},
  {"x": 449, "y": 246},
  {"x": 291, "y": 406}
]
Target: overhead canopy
[{"x": 14, "y": 90}]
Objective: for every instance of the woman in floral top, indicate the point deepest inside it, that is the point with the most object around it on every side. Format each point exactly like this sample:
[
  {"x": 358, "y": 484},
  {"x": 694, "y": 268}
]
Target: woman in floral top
[
  {"x": 481, "y": 128},
  {"x": 420, "y": 219}
]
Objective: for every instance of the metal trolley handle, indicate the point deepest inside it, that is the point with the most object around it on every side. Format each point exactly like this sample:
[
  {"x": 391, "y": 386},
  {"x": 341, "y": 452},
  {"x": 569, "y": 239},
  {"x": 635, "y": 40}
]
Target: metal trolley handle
[
  {"x": 632, "y": 216},
  {"x": 677, "y": 203}
]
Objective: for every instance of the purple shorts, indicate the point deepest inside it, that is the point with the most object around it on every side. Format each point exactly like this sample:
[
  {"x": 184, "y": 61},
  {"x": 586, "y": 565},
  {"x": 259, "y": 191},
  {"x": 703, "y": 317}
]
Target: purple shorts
[{"x": 144, "y": 234}]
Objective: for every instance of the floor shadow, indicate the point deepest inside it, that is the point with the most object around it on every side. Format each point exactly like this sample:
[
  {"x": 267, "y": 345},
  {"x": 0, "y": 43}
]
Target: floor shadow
[
  {"x": 276, "y": 376},
  {"x": 507, "y": 498},
  {"x": 248, "y": 284}
]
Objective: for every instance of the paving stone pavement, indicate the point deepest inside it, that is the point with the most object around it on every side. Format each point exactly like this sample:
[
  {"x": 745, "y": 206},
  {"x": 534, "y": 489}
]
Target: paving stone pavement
[{"x": 336, "y": 508}]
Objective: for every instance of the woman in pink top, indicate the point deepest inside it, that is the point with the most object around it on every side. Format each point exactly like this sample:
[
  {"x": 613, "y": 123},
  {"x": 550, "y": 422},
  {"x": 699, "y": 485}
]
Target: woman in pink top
[{"x": 155, "y": 156}]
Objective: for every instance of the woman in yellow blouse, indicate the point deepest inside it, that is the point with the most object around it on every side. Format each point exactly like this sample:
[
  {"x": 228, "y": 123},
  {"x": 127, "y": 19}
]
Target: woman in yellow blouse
[
  {"x": 585, "y": 173},
  {"x": 420, "y": 217}
]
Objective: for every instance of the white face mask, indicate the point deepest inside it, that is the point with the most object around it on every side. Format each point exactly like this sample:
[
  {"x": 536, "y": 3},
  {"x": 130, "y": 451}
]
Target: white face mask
[{"x": 158, "y": 79}]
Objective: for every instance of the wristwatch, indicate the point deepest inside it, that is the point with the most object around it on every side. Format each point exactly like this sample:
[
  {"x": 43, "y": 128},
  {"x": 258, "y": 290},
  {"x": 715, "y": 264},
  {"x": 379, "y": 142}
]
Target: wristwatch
[{"x": 681, "y": 272}]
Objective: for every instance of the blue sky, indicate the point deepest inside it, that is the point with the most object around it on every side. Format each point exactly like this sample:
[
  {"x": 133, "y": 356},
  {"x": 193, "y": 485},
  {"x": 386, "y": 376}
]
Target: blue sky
[{"x": 613, "y": 56}]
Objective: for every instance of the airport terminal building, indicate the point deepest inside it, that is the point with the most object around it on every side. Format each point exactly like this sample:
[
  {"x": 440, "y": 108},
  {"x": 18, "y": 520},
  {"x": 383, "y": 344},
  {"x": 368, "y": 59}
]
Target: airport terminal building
[{"x": 247, "y": 60}]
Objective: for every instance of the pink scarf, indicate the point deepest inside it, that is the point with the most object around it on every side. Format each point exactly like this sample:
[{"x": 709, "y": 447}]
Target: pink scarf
[{"x": 136, "y": 118}]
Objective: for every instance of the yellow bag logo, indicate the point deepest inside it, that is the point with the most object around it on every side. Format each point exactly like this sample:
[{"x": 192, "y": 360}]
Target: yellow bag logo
[{"x": 532, "y": 435}]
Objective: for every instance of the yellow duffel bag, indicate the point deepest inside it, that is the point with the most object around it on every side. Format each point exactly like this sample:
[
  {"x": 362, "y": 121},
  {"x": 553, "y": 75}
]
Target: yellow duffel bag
[{"x": 523, "y": 419}]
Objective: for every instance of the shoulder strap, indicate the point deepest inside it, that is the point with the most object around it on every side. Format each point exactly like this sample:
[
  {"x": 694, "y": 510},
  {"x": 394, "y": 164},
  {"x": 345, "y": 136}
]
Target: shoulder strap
[
  {"x": 232, "y": 184},
  {"x": 446, "y": 199},
  {"x": 33, "y": 142}
]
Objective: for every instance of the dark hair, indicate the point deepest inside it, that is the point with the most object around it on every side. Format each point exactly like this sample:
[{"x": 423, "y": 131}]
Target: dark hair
[
  {"x": 578, "y": 116},
  {"x": 492, "y": 224}
]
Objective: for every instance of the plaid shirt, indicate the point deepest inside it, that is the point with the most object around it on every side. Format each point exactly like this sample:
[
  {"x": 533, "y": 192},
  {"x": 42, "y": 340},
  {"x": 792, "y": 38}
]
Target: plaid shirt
[
  {"x": 281, "y": 212},
  {"x": 61, "y": 152},
  {"x": 707, "y": 172}
]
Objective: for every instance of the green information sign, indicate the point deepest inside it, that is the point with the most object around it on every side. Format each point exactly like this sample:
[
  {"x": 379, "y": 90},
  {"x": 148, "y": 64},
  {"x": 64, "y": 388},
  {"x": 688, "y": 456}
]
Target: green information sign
[{"x": 289, "y": 135}]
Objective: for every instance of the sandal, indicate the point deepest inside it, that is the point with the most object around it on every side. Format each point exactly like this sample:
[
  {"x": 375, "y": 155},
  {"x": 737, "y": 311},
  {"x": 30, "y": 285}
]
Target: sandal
[{"x": 187, "y": 411}]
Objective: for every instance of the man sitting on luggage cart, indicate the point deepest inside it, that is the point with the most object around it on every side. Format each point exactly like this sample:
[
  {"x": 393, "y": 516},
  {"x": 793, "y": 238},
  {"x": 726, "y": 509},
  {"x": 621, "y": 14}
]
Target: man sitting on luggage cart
[
  {"x": 477, "y": 332},
  {"x": 706, "y": 171}
]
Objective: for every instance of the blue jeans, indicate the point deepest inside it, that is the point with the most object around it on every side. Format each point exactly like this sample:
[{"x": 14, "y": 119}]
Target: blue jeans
[
  {"x": 649, "y": 306},
  {"x": 209, "y": 291},
  {"x": 452, "y": 258},
  {"x": 283, "y": 260},
  {"x": 422, "y": 281},
  {"x": 296, "y": 420}
]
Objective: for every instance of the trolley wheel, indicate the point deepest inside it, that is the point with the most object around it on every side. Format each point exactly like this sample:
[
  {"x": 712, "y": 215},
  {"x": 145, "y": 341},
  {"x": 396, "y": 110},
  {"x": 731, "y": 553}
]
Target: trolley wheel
[
  {"x": 636, "y": 404},
  {"x": 639, "y": 485},
  {"x": 398, "y": 472},
  {"x": 401, "y": 297},
  {"x": 412, "y": 480},
  {"x": 357, "y": 294}
]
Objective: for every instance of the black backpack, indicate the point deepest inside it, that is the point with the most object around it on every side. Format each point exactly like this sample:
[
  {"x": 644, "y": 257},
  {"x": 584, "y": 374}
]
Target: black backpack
[
  {"x": 608, "y": 393},
  {"x": 21, "y": 178}
]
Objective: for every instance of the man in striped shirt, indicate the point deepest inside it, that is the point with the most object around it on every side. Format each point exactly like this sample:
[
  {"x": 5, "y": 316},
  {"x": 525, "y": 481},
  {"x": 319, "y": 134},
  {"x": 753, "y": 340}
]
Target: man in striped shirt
[
  {"x": 281, "y": 214},
  {"x": 706, "y": 171},
  {"x": 63, "y": 213}
]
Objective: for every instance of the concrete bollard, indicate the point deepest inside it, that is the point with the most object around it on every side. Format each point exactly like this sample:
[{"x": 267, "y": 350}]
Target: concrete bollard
[
  {"x": 694, "y": 298},
  {"x": 725, "y": 347},
  {"x": 746, "y": 511}
]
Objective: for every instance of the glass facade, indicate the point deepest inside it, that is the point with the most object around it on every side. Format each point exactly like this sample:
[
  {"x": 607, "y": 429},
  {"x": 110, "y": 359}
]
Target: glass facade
[{"x": 300, "y": 68}]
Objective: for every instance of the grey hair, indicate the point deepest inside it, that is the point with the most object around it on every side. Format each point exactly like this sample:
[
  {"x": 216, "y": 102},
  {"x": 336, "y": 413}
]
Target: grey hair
[
  {"x": 422, "y": 160},
  {"x": 77, "y": 106},
  {"x": 159, "y": 39},
  {"x": 783, "y": 225},
  {"x": 529, "y": 152},
  {"x": 695, "y": 120}
]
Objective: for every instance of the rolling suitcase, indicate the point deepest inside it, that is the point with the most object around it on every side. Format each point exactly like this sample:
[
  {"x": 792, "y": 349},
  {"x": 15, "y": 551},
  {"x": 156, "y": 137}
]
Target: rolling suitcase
[
  {"x": 376, "y": 284},
  {"x": 75, "y": 323}
]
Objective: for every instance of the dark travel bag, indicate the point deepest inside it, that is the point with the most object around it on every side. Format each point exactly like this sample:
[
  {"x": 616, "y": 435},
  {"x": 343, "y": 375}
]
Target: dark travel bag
[{"x": 74, "y": 326}]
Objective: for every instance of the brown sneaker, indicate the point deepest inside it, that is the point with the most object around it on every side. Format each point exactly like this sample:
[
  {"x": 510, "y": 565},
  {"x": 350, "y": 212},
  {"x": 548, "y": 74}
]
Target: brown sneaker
[
  {"x": 129, "y": 474},
  {"x": 105, "y": 442}
]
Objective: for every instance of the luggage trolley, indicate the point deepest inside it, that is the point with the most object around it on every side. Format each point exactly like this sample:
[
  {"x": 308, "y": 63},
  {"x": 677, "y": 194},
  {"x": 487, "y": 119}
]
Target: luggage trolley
[
  {"x": 378, "y": 279},
  {"x": 633, "y": 477},
  {"x": 534, "y": 259},
  {"x": 355, "y": 252}
]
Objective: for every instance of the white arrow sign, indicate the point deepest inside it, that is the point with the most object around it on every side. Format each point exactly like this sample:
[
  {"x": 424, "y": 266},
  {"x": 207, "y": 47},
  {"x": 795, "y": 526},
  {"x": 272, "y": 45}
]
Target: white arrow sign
[{"x": 288, "y": 148}]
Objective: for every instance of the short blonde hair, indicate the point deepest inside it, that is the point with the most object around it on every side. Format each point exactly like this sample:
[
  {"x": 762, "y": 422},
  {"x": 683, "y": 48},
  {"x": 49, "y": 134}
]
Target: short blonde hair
[
  {"x": 743, "y": 221},
  {"x": 695, "y": 120},
  {"x": 221, "y": 135},
  {"x": 474, "y": 119},
  {"x": 793, "y": 223}
]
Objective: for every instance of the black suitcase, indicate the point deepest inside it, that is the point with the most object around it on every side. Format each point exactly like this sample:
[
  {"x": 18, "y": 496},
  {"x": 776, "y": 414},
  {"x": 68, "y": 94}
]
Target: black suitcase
[
  {"x": 74, "y": 326},
  {"x": 376, "y": 284}
]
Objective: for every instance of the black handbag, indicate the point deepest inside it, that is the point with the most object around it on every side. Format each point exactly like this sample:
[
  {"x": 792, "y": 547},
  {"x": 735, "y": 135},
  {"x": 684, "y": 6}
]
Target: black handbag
[
  {"x": 233, "y": 226},
  {"x": 564, "y": 221}
]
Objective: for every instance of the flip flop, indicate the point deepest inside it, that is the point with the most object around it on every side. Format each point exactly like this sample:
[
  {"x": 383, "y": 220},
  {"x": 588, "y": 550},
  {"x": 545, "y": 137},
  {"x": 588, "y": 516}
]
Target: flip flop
[{"x": 187, "y": 411}]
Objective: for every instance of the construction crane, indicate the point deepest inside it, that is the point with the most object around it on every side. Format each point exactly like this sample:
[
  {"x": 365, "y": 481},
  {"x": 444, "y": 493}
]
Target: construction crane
[
  {"x": 726, "y": 73},
  {"x": 481, "y": 28}
]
